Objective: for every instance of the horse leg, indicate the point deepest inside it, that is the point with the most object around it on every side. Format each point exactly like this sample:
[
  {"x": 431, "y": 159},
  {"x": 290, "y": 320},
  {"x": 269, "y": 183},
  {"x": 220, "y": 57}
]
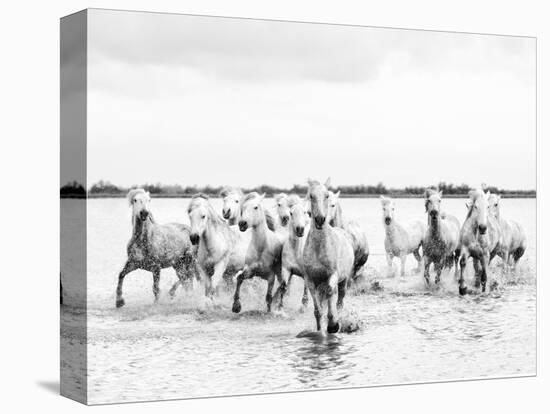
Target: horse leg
[
  {"x": 284, "y": 282},
  {"x": 403, "y": 262},
  {"x": 269, "y": 294},
  {"x": 181, "y": 280},
  {"x": 219, "y": 270},
  {"x": 457, "y": 268},
  {"x": 477, "y": 272},
  {"x": 505, "y": 259},
  {"x": 342, "y": 286},
  {"x": 427, "y": 264},
  {"x": 241, "y": 276},
  {"x": 172, "y": 291},
  {"x": 389, "y": 260},
  {"x": 305, "y": 297},
  {"x": 156, "y": 280},
  {"x": 418, "y": 258},
  {"x": 332, "y": 298},
  {"x": 438, "y": 267},
  {"x": 484, "y": 266},
  {"x": 461, "y": 286},
  {"x": 316, "y": 307},
  {"x": 128, "y": 267}
]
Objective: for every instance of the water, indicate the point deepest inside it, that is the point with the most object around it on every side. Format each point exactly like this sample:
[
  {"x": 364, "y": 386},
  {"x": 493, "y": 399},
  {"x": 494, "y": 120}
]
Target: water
[{"x": 190, "y": 348}]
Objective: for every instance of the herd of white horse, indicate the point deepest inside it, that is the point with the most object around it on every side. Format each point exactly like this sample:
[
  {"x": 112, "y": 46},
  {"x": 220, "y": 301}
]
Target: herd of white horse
[{"x": 310, "y": 238}]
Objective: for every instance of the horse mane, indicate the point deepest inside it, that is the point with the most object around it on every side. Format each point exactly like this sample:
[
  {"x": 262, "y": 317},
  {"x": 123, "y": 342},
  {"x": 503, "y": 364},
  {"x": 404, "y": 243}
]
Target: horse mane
[
  {"x": 293, "y": 199},
  {"x": 280, "y": 196},
  {"x": 225, "y": 191},
  {"x": 134, "y": 192},
  {"x": 249, "y": 197},
  {"x": 474, "y": 196},
  {"x": 199, "y": 199},
  {"x": 385, "y": 201}
]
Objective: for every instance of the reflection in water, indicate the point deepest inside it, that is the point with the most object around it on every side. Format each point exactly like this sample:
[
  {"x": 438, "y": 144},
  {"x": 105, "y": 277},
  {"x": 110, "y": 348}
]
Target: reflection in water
[{"x": 322, "y": 358}]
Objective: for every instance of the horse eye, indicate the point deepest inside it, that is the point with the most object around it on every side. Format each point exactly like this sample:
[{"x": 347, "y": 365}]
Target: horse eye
[
  {"x": 237, "y": 201},
  {"x": 256, "y": 208},
  {"x": 291, "y": 213},
  {"x": 203, "y": 216}
]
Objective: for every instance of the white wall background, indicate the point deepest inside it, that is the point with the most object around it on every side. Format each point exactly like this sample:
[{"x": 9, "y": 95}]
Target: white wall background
[{"x": 29, "y": 131}]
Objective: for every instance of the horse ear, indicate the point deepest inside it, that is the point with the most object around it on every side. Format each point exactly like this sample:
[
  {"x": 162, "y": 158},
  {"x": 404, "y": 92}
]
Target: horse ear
[
  {"x": 262, "y": 196},
  {"x": 148, "y": 195},
  {"x": 337, "y": 194},
  {"x": 440, "y": 192},
  {"x": 327, "y": 182}
]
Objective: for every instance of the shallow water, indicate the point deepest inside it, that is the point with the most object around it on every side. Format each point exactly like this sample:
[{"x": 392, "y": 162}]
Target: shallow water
[{"x": 190, "y": 347}]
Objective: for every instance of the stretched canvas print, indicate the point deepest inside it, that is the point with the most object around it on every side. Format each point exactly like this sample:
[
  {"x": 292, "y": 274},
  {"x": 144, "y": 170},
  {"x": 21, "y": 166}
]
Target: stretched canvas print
[{"x": 255, "y": 206}]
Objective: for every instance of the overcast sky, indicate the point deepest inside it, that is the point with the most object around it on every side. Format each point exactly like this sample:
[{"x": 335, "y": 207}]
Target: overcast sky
[{"x": 201, "y": 100}]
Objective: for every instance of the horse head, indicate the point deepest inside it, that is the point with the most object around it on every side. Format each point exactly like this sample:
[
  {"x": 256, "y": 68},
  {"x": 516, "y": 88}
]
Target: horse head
[
  {"x": 283, "y": 210},
  {"x": 252, "y": 213},
  {"x": 333, "y": 207},
  {"x": 479, "y": 209},
  {"x": 494, "y": 205},
  {"x": 388, "y": 209},
  {"x": 318, "y": 197},
  {"x": 231, "y": 198},
  {"x": 299, "y": 217},
  {"x": 198, "y": 212},
  {"x": 139, "y": 200},
  {"x": 432, "y": 202}
]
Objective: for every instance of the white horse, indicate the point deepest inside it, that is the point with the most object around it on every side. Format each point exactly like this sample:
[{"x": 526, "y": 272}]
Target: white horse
[
  {"x": 263, "y": 256},
  {"x": 221, "y": 248},
  {"x": 356, "y": 236},
  {"x": 231, "y": 198},
  {"x": 479, "y": 239},
  {"x": 512, "y": 243},
  {"x": 293, "y": 247},
  {"x": 154, "y": 246},
  {"x": 283, "y": 209},
  {"x": 401, "y": 240},
  {"x": 328, "y": 259},
  {"x": 441, "y": 242}
]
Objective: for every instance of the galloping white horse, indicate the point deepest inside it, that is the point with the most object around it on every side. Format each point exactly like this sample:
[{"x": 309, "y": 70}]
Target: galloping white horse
[
  {"x": 356, "y": 236},
  {"x": 154, "y": 246},
  {"x": 263, "y": 256},
  {"x": 328, "y": 259},
  {"x": 231, "y": 198},
  {"x": 293, "y": 247},
  {"x": 441, "y": 242},
  {"x": 479, "y": 239},
  {"x": 222, "y": 248},
  {"x": 512, "y": 243},
  {"x": 401, "y": 240},
  {"x": 283, "y": 209}
]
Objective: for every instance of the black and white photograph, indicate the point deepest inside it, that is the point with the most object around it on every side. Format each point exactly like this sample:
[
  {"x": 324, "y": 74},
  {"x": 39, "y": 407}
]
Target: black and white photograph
[{"x": 275, "y": 206}]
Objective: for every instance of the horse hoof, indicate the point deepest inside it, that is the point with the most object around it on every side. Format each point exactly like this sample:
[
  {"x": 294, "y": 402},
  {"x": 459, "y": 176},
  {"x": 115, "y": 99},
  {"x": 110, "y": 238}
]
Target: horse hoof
[
  {"x": 236, "y": 307},
  {"x": 119, "y": 303},
  {"x": 462, "y": 290},
  {"x": 331, "y": 329}
]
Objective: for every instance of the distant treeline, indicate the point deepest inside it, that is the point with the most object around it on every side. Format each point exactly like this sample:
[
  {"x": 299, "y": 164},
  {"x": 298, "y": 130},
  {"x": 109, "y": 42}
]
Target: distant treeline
[{"x": 107, "y": 189}]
